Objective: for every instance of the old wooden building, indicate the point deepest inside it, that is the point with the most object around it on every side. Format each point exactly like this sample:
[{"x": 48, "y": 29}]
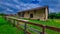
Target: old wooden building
[{"x": 40, "y": 13}]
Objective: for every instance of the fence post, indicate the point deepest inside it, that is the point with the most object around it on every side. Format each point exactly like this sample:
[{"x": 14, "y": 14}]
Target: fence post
[
  {"x": 18, "y": 23},
  {"x": 5, "y": 17},
  {"x": 25, "y": 27},
  {"x": 14, "y": 23},
  {"x": 43, "y": 30}
]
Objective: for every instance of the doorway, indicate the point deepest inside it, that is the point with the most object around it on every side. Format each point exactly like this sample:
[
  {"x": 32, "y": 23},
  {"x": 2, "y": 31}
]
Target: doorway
[{"x": 31, "y": 15}]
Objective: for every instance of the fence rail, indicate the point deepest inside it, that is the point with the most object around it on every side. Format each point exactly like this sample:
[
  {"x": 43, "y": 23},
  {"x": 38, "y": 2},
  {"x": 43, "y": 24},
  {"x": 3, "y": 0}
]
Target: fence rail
[{"x": 26, "y": 22}]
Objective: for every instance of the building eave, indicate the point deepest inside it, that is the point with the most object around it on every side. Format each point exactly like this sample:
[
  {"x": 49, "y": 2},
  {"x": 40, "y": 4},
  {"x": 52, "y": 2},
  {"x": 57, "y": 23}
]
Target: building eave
[{"x": 34, "y": 9}]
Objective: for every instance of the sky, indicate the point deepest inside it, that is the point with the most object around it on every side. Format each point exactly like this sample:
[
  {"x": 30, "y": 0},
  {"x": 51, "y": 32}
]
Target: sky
[{"x": 14, "y": 6}]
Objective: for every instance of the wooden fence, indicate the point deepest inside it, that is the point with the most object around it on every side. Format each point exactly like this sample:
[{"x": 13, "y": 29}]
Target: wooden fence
[{"x": 25, "y": 26}]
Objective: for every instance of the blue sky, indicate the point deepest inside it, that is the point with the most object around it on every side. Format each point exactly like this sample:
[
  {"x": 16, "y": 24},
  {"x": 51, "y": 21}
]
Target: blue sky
[{"x": 14, "y": 6}]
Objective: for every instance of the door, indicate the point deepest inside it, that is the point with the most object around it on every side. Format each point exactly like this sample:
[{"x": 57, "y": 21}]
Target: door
[{"x": 31, "y": 15}]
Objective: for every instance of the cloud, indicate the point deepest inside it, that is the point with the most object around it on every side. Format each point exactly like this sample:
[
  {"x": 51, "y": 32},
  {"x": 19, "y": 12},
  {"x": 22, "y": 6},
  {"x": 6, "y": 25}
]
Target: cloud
[
  {"x": 29, "y": 6},
  {"x": 2, "y": 7},
  {"x": 54, "y": 5},
  {"x": 16, "y": 1},
  {"x": 24, "y": 6},
  {"x": 9, "y": 10},
  {"x": 18, "y": 5},
  {"x": 51, "y": 10},
  {"x": 8, "y": 4},
  {"x": 21, "y": 6}
]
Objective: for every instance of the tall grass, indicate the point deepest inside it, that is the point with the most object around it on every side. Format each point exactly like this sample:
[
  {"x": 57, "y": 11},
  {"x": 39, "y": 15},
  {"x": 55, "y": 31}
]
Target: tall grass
[{"x": 7, "y": 28}]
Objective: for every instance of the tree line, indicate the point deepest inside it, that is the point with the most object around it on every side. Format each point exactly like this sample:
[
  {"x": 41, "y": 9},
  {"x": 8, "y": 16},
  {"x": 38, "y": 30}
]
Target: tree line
[
  {"x": 51, "y": 15},
  {"x": 54, "y": 16}
]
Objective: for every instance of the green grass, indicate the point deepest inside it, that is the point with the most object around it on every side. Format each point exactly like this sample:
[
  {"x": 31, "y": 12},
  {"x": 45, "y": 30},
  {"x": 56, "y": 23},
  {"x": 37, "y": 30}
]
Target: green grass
[
  {"x": 7, "y": 28},
  {"x": 50, "y": 22}
]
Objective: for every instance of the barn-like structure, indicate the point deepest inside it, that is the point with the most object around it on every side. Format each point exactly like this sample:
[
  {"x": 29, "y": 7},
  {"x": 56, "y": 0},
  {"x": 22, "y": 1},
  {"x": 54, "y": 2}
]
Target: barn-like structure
[{"x": 40, "y": 13}]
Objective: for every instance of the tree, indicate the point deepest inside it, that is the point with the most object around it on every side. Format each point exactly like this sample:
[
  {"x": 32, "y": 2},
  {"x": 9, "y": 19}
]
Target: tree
[{"x": 54, "y": 15}]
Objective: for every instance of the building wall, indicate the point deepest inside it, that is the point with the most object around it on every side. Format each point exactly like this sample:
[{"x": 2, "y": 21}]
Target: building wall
[
  {"x": 26, "y": 15},
  {"x": 41, "y": 14}
]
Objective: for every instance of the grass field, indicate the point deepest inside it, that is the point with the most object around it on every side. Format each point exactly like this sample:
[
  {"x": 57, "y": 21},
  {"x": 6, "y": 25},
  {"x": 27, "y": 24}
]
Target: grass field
[
  {"x": 50, "y": 22},
  {"x": 13, "y": 30},
  {"x": 6, "y": 28}
]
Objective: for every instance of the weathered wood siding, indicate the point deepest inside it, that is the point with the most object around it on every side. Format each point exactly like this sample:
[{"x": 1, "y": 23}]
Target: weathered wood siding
[{"x": 41, "y": 14}]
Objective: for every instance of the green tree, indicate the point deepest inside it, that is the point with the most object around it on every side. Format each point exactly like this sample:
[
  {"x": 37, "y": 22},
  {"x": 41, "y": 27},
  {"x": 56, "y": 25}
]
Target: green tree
[{"x": 54, "y": 15}]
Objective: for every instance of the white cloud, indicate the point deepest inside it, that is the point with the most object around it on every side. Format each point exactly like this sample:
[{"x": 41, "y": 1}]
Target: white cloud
[
  {"x": 36, "y": 0},
  {"x": 24, "y": 6},
  {"x": 3, "y": 7},
  {"x": 16, "y": 1},
  {"x": 18, "y": 6},
  {"x": 31, "y": 5},
  {"x": 8, "y": 4},
  {"x": 21, "y": 5},
  {"x": 9, "y": 10},
  {"x": 52, "y": 10}
]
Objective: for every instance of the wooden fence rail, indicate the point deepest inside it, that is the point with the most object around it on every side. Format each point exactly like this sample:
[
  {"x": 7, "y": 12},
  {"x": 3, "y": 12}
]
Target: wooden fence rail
[{"x": 39, "y": 25}]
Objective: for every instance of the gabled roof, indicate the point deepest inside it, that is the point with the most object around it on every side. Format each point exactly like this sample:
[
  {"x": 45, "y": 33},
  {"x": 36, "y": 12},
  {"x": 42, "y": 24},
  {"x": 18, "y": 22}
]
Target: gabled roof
[{"x": 34, "y": 9}]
